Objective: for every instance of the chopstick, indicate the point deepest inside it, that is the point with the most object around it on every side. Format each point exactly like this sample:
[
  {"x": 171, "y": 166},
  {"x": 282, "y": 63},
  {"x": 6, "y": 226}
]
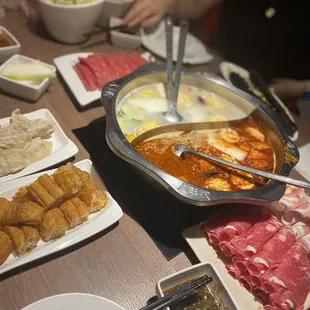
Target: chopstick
[
  {"x": 179, "y": 294},
  {"x": 181, "y": 51}
]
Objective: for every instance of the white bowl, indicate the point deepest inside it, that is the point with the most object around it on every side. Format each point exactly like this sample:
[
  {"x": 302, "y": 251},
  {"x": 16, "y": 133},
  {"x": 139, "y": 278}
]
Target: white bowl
[
  {"x": 20, "y": 89},
  {"x": 196, "y": 271},
  {"x": 70, "y": 23},
  {"x": 7, "y": 51},
  {"x": 124, "y": 40}
]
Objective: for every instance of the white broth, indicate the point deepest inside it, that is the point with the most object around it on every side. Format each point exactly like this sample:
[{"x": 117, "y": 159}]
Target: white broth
[{"x": 142, "y": 108}]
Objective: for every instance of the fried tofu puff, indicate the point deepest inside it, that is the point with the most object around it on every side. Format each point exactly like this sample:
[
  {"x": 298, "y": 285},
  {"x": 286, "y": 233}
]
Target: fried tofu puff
[
  {"x": 18, "y": 238},
  {"x": 5, "y": 206},
  {"x": 81, "y": 208},
  {"x": 23, "y": 195},
  {"x": 217, "y": 183},
  {"x": 6, "y": 247},
  {"x": 46, "y": 192},
  {"x": 71, "y": 214},
  {"x": 70, "y": 179},
  {"x": 54, "y": 225},
  {"x": 24, "y": 238},
  {"x": 94, "y": 198},
  {"x": 32, "y": 237},
  {"x": 27, "y": 213}
]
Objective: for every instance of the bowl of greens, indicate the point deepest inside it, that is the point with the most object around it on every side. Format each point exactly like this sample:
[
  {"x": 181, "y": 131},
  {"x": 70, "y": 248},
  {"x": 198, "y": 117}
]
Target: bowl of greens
[{"x": 68, "y": 21}]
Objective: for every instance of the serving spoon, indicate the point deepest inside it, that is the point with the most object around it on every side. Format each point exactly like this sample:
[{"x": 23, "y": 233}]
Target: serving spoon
[
  {"x": 172, "y": 115},
  {"x": 179, "y": 149}
]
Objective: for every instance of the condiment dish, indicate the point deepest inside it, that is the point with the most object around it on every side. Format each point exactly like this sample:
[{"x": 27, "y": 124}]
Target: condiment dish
[
  {"x": 20, "y": 88},
  {"x": 7, "y": 51},
  {"x": 121, "y": 39},
  {"x": 219, "y": 287}
]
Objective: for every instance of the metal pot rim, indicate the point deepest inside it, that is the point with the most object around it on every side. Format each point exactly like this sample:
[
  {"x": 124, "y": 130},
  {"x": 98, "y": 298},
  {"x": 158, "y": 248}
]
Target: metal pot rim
[{"x": 189, "y": 193}]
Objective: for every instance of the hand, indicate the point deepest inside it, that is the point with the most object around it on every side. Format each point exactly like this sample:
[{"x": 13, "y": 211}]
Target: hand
[
  {"x": 288, "y": 88},
  {"x": 147, "y": 12}
]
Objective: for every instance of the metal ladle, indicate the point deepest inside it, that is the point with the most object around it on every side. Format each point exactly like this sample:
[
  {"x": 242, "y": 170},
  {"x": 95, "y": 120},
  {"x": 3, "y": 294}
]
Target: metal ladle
[
  {"x": 172, "y": 115},
  {"x": 179, "y": 149}
]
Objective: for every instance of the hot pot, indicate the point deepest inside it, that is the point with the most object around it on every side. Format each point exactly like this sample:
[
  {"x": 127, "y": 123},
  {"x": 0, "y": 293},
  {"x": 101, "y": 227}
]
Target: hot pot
[{"x": 115, "y": 91}]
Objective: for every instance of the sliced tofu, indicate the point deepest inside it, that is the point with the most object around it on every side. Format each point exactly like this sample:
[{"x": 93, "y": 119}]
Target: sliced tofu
[
  {"x": 227, "y": 148},
  {"x": 255, "y": 133},
  {"x": 230, "y": 135}
]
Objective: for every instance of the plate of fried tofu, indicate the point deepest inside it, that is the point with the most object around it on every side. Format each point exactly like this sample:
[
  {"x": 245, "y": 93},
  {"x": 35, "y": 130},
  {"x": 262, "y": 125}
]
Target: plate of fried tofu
[{"x": 49, "y": 211}]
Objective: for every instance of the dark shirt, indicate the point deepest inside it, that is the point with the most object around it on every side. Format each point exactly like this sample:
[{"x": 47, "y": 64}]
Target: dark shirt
[{"x": 276, "y": 47}]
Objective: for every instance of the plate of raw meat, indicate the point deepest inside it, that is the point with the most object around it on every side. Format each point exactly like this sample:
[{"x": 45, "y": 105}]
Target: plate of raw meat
[
  {"x": 260, "y": 253},
  {"x": 87, "y": 73}
]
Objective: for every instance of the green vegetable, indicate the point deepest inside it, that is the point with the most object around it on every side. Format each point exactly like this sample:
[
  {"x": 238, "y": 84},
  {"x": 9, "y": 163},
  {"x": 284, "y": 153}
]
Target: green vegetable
[
  {"x": 34, "y": 71},
  {"x": 132, "y": 112},
  {"x": 70, "y": 2},
  {"x": 126, "y": 125}
]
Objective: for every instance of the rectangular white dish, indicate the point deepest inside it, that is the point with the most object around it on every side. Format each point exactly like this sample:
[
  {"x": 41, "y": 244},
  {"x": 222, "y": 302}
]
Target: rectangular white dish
[
  {"x": 96, "y": 222},
  {"x": 20, "y": 89},
  {"x": 205, "y": 253},
  {"x": 64, "y": 65},
  {"x": 194, "y": 272},
  {"x": 63, "y": 147},
  {"x": 7, "y": 51}
]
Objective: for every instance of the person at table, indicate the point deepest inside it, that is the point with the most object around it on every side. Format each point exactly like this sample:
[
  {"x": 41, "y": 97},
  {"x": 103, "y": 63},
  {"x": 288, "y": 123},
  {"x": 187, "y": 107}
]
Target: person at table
[{"x": 266, "y": 35}]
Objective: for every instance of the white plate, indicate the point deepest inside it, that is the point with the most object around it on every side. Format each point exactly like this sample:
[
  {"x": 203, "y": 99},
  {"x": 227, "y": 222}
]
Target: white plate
[
  {"x": 96, "y": 222},
  {"x": 63, "y": 147},
  {"x": 204, "y": 253},
  {"x": 74, "y": 301},
  {"x": 228, "y": 67},
  {"x": 303, "y": 164},
  {"x": 65, "y": 64},
  {"x": 155, "y": 41}
]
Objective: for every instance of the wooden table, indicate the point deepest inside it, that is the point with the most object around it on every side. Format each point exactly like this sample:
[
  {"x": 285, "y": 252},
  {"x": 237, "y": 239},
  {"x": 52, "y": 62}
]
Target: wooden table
[{"x": 124, "y": 264}]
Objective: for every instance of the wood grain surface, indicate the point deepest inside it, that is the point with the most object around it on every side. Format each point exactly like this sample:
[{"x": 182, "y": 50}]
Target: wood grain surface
[{"x": 122, "y": 264}]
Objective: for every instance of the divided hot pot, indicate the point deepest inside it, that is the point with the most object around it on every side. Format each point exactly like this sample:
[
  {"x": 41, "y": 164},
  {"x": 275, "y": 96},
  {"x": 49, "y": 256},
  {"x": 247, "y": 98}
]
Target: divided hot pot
[{"x": 286, "y": 153}]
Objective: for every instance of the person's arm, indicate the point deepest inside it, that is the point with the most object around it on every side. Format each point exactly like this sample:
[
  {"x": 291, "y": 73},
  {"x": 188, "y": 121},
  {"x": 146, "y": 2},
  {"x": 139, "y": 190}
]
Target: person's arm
[
  {"x": 290, "y": 89},
  {"x": 149, "y": 12},
  {"x": 185, "y": 9}
]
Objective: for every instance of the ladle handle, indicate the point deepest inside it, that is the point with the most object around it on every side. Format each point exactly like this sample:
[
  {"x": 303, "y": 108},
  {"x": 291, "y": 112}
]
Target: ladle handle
[
  {"x": 182, "y": 148},
  {"x": 169, "y": 47},
  {"x": 181, "y": 50}
]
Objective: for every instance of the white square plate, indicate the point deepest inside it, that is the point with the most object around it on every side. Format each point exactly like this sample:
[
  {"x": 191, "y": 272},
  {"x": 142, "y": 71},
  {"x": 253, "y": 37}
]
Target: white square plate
[
  {"x": 63, "y": 147},
  {"x": 96, "y": 222},
  {"x": 154, "y": 40},
  {"x": 24, "y": 89},
  {"x": 64, "y": 65}
]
